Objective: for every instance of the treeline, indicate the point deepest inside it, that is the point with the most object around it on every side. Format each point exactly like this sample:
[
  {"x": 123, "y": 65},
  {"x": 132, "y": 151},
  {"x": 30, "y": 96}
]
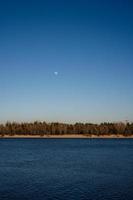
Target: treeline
[{"x": 43, "y": 128}]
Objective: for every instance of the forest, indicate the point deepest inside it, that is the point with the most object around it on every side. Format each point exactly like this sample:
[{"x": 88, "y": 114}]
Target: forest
[{"x": 43, "y": 128}]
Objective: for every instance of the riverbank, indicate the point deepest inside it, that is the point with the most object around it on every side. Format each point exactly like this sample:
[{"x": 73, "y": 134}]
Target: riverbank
[{"x": 66, "y": 136}]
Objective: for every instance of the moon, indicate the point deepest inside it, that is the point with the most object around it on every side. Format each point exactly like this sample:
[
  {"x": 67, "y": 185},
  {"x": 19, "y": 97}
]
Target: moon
[{"x": 55, "y": 73}]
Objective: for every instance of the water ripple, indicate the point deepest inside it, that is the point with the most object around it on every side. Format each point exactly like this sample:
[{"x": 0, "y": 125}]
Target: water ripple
[{"x": 80, "y": 169}]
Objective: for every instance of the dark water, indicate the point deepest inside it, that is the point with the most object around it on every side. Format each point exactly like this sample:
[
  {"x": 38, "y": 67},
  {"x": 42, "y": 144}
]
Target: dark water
[{"x": 66, "y": 169}]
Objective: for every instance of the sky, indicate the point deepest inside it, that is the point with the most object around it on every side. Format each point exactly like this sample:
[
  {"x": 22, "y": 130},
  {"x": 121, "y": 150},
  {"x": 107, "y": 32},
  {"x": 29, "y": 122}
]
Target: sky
[{"x": 66, "y": 61}]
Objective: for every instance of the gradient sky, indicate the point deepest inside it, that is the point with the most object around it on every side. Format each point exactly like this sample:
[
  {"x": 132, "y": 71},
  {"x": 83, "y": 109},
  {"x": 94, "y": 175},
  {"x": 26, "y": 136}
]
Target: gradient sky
[{"x": 89, "y": 44}]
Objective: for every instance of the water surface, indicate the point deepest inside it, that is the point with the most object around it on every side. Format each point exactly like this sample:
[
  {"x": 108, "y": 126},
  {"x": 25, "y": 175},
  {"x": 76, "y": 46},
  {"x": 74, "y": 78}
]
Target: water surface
[{"x": 66, "y": 169}]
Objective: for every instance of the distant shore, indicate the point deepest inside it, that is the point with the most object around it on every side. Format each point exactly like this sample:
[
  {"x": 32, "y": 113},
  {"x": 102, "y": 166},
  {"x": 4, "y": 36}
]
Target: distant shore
[{"x": 66, "y": 136}]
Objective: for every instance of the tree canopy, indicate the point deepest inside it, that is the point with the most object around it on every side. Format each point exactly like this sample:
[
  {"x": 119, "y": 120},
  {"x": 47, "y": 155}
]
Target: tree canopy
[{"x": 43, "y": 128}]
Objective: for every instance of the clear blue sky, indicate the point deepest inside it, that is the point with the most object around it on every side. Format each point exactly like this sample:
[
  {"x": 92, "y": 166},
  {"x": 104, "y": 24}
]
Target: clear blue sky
[{"x": 89, "y": 44}]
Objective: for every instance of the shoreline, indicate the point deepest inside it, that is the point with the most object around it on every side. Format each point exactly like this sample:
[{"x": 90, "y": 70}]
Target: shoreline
[{"x": 73, "y": 136}]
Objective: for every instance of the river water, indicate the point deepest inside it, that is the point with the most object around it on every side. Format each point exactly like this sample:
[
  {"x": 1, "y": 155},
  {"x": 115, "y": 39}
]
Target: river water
[{"x": 66, "y": 169}]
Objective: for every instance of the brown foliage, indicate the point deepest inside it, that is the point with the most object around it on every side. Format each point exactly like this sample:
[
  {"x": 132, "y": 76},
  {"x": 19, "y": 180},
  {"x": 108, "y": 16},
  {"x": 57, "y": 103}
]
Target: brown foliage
[{"x": 43, "y": 128}]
